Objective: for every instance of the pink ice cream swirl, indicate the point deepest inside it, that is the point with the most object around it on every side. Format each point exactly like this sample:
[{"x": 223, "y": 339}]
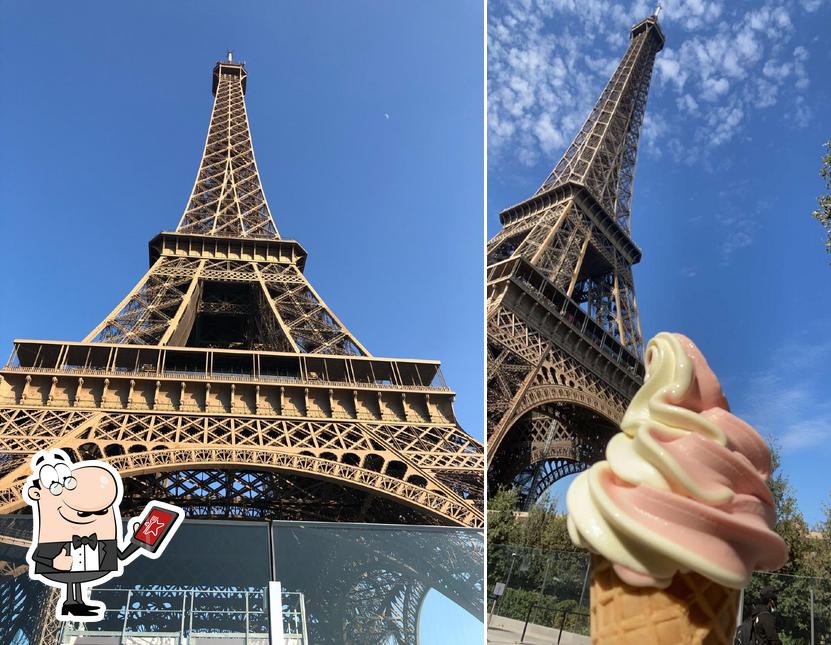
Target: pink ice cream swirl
[{"x": 683, "y": 487}]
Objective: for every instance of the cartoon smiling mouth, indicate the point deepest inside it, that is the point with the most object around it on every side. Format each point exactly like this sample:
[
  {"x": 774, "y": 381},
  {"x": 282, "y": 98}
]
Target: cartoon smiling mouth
[{"x": 82, "y": 514}]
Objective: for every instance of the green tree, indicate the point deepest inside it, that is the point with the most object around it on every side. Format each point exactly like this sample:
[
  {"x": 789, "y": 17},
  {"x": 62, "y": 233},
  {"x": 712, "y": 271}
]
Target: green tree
[
  {"x": 795, "y": 580},
  {"x": 503, "y": 527},
  {"x": 504, "y": 534},
  {"x": 540, "y": 528},
  {"x": 822, "y": 568},
  {"x": 790, "y": 523},
  {"x": 534, "y": 554},
  {"x": 545, "y": 528},
  {"x": 823, "y": 213}
]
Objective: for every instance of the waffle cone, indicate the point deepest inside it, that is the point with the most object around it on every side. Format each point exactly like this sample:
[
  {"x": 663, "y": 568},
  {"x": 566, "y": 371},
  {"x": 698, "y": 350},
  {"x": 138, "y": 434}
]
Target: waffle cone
[{"x": 692, "y": 610}]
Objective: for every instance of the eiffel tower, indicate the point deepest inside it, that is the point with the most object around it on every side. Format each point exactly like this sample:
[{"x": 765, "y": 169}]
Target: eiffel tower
[
  {"x": 223, "y": 383},
  {"x": 564, "y": 339}
]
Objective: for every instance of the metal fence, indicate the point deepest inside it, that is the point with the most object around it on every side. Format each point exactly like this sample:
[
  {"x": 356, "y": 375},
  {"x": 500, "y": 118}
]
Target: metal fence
[
  {"x": 168, "y": 616},
  {"x": 551, "y": 589},
  {"x": 803, "y": 612},
  {"x": 547, "y": 588}
]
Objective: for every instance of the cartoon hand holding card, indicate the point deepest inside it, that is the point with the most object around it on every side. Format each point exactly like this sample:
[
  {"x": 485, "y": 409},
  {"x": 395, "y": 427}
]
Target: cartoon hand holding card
[{"x": 76, "y": 537}]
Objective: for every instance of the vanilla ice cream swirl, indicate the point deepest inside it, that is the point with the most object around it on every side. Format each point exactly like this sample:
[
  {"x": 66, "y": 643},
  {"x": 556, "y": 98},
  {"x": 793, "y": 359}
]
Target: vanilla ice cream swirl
[{"x": 683, "y": 487}]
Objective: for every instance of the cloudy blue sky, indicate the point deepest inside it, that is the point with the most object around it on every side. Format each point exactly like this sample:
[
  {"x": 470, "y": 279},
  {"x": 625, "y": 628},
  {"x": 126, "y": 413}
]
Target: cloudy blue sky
[{"x": 727, "y": 178}]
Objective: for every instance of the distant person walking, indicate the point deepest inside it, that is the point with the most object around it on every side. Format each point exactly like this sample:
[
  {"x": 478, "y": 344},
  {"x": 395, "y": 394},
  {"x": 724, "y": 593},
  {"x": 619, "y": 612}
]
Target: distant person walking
[
  {"x": 764, "y": 622},
  {"x": 760, "y": 628}
]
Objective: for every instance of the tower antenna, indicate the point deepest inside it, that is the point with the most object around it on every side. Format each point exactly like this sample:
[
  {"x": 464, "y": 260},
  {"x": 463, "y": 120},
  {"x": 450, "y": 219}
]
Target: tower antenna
[
  {"x": 230, "y": 53},
  {"x": 658, "y": 10}
]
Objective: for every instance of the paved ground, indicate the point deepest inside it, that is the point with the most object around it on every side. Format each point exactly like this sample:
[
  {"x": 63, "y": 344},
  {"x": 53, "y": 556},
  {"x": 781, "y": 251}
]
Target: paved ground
[{"x": 506, "y": 630}]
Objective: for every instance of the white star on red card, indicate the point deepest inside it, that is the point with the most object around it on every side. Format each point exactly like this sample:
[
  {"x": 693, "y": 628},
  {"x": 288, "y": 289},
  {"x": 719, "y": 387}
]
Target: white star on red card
[{"x": 153, "y": 526}]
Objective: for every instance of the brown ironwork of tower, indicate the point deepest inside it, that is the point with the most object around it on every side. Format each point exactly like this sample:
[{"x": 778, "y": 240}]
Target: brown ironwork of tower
[
  {"x": 564, "y": 339},
  {"x": 222, "y": 382}
]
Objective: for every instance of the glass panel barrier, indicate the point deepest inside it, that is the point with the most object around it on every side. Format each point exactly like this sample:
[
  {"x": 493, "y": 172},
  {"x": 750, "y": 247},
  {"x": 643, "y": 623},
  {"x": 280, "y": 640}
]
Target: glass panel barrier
[
  {"x": 355, "y": 584},
  {"x": 370, "y": 583}
]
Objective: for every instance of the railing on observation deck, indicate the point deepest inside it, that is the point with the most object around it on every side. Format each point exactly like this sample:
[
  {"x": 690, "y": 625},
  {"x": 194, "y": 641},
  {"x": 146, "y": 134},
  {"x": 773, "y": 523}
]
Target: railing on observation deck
[
  {"x": 570, "y": 312},
  {"x": 101, "y": 359}
]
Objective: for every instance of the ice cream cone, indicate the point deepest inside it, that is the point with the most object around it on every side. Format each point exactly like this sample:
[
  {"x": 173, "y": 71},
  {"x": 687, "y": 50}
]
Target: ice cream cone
[{"x": 692, "y": 610}]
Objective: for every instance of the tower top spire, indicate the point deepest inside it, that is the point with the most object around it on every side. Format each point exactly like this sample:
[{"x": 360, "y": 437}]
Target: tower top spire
[
  {"x": 658, "y": 10},
  {"x": 229, "y": 66},
  {"x": 602, "y": 155},
  {"x": 228, "y": 199}
]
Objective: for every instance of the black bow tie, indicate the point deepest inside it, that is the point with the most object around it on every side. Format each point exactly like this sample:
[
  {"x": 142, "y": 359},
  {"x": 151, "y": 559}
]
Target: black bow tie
[{"x": 91, "y": 541}]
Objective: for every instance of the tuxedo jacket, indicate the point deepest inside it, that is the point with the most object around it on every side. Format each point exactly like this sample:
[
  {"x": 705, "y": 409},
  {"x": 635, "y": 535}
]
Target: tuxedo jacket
[{"x": 45, "y": 552}]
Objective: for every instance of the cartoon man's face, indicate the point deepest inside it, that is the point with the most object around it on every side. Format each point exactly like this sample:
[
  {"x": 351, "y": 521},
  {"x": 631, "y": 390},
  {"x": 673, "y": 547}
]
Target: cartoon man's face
[{"x": 75, "y": 501}]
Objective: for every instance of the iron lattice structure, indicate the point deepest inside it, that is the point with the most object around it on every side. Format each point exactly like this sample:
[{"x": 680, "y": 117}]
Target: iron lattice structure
[
  {"x": 222, "y": 382},
  {"x": 564, "y": 338},
  {"x": 27, "y": 608}
]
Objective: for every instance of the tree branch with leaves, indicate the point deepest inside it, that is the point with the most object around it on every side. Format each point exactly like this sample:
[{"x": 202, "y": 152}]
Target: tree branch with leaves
[{"x": 823, "y": 213}]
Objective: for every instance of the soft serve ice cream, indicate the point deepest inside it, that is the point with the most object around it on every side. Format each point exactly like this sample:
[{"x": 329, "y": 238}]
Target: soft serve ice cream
[{"x": 683, "y": 487}]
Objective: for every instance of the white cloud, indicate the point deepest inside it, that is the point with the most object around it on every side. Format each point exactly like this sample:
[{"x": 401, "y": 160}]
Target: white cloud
[
  {"x": 776, "y": 71},
  {"x": 537, "y": 91},
  {"x": 550, "y": 138},
  {"x": 735, "y": 240},
  {"x": 806, "y": 434},
  {"x": 800, "y": 55},
  {"x": 669, "y": 69},
  {"x": 653, "y": 134},
  {"x": 802, "y": 114},
  {"x": 692, "y": 14},
  {"x": 687, "y": 103},
  {"x": 748, "y": 46},
  {"x": 713, "y": 88},
  {"x": 786, "y": 401},
  {"x": 723, "y": 123},
  {"x": 767, "y": 93},
  {"x": 739, "y": 217},
  {"x": 811, "y": 5}
]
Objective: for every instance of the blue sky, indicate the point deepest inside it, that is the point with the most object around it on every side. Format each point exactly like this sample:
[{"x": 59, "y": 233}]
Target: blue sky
[
  {"x": 104, "y": 119},
  {"x": 727, "y": 178}
]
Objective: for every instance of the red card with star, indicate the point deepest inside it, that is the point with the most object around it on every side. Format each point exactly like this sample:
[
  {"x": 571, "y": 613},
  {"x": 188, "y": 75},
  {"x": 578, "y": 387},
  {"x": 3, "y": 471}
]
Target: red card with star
[{"x": 153, "y": 531}]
